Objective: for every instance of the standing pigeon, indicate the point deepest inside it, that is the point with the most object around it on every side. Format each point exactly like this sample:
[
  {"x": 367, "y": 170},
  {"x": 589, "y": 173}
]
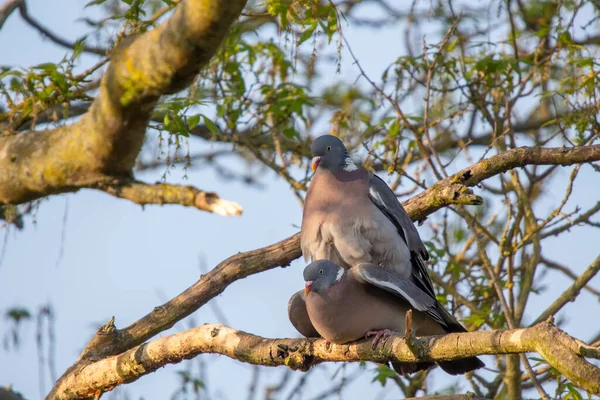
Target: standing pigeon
[
  {"x": 351, "y": 216},
  {"x": 345, "y": 305}
]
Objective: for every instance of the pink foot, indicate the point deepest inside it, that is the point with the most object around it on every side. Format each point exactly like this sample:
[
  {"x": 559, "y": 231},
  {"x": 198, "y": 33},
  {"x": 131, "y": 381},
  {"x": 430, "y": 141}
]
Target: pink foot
[{"x": 385, "y": 333}]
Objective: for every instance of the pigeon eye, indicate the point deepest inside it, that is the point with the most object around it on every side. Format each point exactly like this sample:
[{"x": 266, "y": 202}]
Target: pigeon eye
[
  {"x": 321, "y": 271},
  {"x": 328, "y": 148}
]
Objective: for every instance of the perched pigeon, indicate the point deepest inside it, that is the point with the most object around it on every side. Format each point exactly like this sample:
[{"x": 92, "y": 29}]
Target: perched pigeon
[
  {"x": 299, "y": 316},
  {"x": 351, "y": 216},
  {"x": 345, "y": 305}
]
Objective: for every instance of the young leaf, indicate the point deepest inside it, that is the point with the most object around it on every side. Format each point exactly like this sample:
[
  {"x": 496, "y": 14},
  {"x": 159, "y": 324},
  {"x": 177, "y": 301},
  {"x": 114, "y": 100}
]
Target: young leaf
[
  {"x": 94, "y": 3},
  {"x": 193, "y": 121},
  {"x": 307, "y": 33},
  {"x": 211, "y": 126}
]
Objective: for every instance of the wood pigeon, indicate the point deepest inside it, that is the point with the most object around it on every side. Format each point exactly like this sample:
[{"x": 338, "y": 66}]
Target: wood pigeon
[
  {"x": 299, "y": 316},
  {"x": 345, "y": 305},
  {"x": 351, "y": 216}
]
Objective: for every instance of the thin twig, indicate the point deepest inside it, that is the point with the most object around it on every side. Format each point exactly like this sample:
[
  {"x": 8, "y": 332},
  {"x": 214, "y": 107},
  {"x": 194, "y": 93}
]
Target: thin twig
[
  {"x": 61, "y": 42},
  {"x": 505, "y": 308},
  {"x": 565, "y": 270},
  {"x": 396, "y": 107},
  {"x": 430, "y": 73},
  {"x": 571, "y": 292}
]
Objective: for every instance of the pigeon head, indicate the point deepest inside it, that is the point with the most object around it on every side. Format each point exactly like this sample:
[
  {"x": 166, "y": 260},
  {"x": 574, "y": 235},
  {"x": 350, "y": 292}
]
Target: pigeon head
[
  {"x": 320, "y": 275},
  {"x": 329, "y": 152}
]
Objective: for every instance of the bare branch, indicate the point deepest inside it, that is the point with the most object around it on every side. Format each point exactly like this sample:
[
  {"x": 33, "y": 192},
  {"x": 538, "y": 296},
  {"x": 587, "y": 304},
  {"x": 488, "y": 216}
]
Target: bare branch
[
  {"x": 210, "y": 285},
  {"x": 47, "y": 33},
  {"x": 565, "y": 270},
  {"x": 8, "y": 8},
  {"x": 163, "y": 193},
  {"x": 572, "y": 292},
  {"x": 453, "y": 190},
  {"x": 95, "y": 377}
]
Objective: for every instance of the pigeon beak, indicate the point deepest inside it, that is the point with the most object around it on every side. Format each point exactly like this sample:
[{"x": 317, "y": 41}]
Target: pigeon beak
[
  {"x": 315, "y": 163},
  {"x": 308, "y": 287}
]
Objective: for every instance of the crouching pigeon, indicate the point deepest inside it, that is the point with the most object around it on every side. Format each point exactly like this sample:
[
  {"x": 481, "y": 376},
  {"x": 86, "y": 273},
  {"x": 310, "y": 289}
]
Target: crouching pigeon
[
  {"x": 345, "y": 305},
  {"x": 299, "y": 316}
]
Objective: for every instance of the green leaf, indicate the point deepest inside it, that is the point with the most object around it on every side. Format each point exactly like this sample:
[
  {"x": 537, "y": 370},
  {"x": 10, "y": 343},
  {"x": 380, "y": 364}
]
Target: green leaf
[
  {"x": 331, "y": 24},
  {"x": 307, "y": 33},
  {"x": 193, "y": 121},
  {"x": 573, "y": 392},
  {"x": 452, "y": 45},
  {"x": 383, "y": 373},
  {"x": 18, "y": 314},
  {"x": 48, "y": 67},
  {"x": 565, "y": 39},
  {"x": 211, "y": 126},
  {"x": 291, "y": 133},
  {"x": 94, "y": 3},
  {"x": 394, "y": 128},
  {"x": 551, "y": 122},
  {"x": 78, "y": 48}
]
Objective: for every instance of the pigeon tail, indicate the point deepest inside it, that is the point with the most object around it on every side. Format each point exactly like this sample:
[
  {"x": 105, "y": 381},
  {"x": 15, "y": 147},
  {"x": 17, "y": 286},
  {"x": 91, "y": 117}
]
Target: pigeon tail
[
  {"x": 405, "y": 368},
  {"x": 464, "y": 365}
]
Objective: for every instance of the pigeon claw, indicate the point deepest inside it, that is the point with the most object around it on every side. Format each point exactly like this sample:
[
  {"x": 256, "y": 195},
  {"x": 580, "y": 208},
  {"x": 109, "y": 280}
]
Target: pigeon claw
[{"x": 385, "y": 333}]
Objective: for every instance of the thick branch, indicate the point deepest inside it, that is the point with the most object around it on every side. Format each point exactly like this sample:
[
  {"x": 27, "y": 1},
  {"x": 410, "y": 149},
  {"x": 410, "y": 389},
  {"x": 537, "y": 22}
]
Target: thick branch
[
  {"x": 108, "y": 138},
  {"x": 95, "y": 377},
  {"x": 453, "y": 190}
]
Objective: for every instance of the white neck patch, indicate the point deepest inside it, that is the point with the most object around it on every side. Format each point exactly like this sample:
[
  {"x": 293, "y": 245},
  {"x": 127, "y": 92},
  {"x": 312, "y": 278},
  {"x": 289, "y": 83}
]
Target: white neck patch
[
  {"x": 349, "y": 164},
  {"x": 340, "y": 274}
]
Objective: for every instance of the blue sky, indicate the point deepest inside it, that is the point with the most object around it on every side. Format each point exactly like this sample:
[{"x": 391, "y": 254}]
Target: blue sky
[{"x": 119, "y": 259}]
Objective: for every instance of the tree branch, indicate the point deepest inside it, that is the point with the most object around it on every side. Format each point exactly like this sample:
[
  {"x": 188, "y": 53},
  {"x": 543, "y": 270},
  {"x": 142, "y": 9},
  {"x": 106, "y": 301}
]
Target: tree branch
[
  {"x": 8, "y": 8},
  {"x": 107, "y": 139},
  {"x": 47, "y": 33},
  {"x": 95, "y": 377},
  {"x": 565, "y": 270},
  {"x": 208, "y": 286},
  {"x": 572, "y": 291},
  {"x": 162, "y": 193},
  {"x": 454, "y": 189}
]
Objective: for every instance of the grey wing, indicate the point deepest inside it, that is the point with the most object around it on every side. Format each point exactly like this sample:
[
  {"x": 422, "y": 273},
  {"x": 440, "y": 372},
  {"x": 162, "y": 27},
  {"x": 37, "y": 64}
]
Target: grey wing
[
  {"x": 384, "y": 198},
  {"x": 382, "y": 278}
]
